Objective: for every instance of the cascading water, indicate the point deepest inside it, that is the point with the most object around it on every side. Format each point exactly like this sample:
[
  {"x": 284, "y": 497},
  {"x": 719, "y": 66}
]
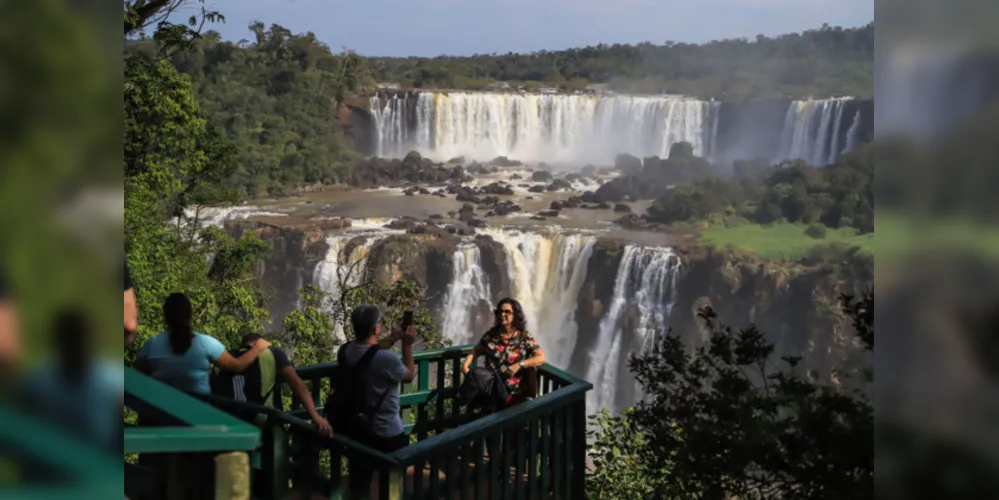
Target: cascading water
[
  {"x": 588, "y": 129},
  {"x": 812, "y": 131},
  {"x": 392, "y": 134},
  {"x": 546, "y": 273},
  {"x": 554, "y": 128},
  {"x": 344, "y": 267},
  {"x": 644, "y": 294},
  {"x": 468, "y": 296}
]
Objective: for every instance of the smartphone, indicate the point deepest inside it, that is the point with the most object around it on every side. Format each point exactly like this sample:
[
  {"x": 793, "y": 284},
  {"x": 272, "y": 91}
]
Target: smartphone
[{"x": 407, "y": 320}]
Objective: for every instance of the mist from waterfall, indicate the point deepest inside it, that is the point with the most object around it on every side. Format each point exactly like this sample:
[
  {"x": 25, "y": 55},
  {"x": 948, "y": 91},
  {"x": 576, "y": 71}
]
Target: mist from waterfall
[{"x": 643, "y": 298}]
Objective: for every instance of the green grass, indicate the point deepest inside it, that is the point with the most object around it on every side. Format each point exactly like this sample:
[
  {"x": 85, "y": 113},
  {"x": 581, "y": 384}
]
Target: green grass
[{"x": 781, "y": 241}]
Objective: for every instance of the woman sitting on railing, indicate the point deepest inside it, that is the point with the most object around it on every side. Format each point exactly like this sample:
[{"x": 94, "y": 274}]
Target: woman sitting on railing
[
  {"x": 182, "y": 358},
  {"x": 511, "y": 352}
]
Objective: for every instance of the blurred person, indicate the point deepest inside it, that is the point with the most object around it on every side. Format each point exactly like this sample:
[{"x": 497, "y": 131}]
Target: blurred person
[
  {"x": 511, "y": 352},
  {"x": 131, "y": 310},
  {"x": 364, "y": 404},
  {"x": 182, "y": 358},
  {"x": 257, "y": 384},
  {"x": 76, "y": 392},
  {"x": 10, "y": 332}
]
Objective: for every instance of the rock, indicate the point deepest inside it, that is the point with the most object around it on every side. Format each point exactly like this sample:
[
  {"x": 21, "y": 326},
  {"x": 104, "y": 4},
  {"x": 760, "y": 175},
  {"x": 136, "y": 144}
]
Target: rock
[
  {"x": 460, "y": 160},
  {"x": 541, "y": 176},
  {"x": 536, "y": 189},
  {"x": 549, "y": 213},
  {"x": 588, "y": 197},
  {"x": 498, "y": 189},
  {"x": 515, "y": 177},
  {"x": 622, "y": 209},
  {"x": 477, "y": 223},
  {"x": 630, "y": 221},
  {"x": 559, "y": 184},
  {"x": 603, "y": 206},
  {"x": 557, "y": 205},
  {"x": 627, "y": 164},
  {"x": 435, "y": 217},
  {"x": 502, "y": 161},
  {"x": 538, "y": 217}
]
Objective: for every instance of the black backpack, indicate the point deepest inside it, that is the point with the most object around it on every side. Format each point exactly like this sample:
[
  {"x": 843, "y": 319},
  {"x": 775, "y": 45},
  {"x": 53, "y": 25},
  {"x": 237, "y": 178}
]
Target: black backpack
[
  {"x": 346, "y": 408},
  {"x": 249, "y": 386}
]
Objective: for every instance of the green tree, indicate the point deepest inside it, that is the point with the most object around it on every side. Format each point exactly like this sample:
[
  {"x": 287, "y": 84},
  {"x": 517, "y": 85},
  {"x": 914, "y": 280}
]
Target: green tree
[{"x": 728, "y": 420}]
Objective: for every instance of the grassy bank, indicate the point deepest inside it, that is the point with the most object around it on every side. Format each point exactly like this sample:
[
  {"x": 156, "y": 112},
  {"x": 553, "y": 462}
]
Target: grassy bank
[{"x": 781, "y": 241}]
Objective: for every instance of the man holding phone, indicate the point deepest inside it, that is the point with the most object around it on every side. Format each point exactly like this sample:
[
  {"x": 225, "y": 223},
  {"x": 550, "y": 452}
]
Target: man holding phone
[{"x": 377, "y": 375}]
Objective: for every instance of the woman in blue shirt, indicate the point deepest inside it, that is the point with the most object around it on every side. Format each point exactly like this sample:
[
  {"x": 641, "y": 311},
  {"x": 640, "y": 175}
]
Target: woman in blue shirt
[{"x": 182, "y": 358}]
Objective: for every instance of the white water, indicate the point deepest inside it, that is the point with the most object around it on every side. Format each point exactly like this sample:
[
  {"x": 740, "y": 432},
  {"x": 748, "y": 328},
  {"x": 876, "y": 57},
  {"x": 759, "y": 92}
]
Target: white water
[
  {"x": 812, "y": 131},
  {"x": 646, "y": 281},
  {"x": 551, "y": 128},
  {"x": 468, "y": 296},
  {"x": 546, "y": 273},
  {"x": 342, "y": 270},
  {"x": 589, "y": 129}
]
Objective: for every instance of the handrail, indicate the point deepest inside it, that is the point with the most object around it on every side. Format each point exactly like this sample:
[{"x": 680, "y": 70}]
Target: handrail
[
  {"x": 201, "y": 427},
  {"x": 311, "y": 371},
  {"x": 300, "y": 424},
  {"x": 467, "y": 432}
]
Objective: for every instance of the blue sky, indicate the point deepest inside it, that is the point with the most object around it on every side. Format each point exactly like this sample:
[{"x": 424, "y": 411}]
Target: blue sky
[{"x": 464, "y": 27}]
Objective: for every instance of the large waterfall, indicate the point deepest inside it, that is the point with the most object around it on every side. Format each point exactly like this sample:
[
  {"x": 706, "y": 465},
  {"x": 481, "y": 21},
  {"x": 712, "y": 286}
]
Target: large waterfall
[
  {"x": 537, "y": 127},
  {"x": 589, "y": 129},
  {"x": 545, "y": 271}
]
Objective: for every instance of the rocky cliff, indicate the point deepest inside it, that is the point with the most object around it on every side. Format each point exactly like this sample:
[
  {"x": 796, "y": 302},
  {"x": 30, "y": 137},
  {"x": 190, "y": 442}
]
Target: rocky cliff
[{"x": 795, "y": 303}]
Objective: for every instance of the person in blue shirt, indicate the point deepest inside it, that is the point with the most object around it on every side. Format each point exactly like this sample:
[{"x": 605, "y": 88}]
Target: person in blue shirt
[{"x": 182, "y": 358}]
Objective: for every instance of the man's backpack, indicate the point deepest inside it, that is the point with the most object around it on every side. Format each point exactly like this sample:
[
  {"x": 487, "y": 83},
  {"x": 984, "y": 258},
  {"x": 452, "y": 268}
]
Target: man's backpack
[
  {"x": 346, "y": 408},
  {"x": 255, "y": 385}
]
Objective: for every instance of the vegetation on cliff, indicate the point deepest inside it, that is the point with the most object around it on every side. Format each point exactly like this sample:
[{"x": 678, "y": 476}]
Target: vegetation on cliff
[
  {"x": 175, "y": 158},
  {"x": 730, "y": 420},
  {"x": 829, "y": 61},
  {"x": 275, "y": 98}
]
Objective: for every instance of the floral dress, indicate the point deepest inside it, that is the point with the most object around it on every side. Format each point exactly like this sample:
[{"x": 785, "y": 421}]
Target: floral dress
[{"x": 502, "y": 354}]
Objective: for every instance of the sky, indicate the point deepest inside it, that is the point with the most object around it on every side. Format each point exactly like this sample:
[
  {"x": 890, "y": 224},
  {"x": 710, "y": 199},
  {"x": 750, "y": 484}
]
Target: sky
[{"x": 465, "y": 27}]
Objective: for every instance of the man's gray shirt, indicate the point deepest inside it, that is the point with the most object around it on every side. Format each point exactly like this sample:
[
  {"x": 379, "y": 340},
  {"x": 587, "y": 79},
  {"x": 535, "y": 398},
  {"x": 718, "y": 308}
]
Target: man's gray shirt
[{"x": 383, "y": 377}]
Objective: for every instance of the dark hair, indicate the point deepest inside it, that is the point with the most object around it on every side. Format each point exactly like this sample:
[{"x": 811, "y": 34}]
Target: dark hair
[
  {"x": 251, "y": 337},
  {"x": 364, "y": 319},
  {"x": 73, "y": 340},
  {"x": 177, "y": 312},
  {"x": 519, "y": 321}
]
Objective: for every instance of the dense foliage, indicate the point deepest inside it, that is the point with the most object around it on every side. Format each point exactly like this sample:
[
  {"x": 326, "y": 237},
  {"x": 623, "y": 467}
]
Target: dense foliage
[
  {"x": 822, "y": 62},
  {"x": 840, "y": 195},
  {"x": 276, "y": 98},
  {"x": 729, "y": 420},
  {"x": 175, "y": 160}
]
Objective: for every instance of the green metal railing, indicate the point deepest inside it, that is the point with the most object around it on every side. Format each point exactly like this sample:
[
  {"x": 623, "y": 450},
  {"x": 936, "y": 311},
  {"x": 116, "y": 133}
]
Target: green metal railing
[
  {"x": 40, "y": 461},
  {"x": 533, "y": 450},
  {"x": 176, "y": 432}
]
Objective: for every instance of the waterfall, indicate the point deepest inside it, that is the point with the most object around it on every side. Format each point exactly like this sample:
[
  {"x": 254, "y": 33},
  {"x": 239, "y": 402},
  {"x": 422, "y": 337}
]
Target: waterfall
[
  {"x": 643, "y": 298},
  {"x": 812, "y": 131},
  {"x": 468, "y": 298},
  {"x": 546, "y": 273},
  {"x": 392, "y": 136},
  {"x": 552, "y": 128},
  {"x": 342, "y": 268}
]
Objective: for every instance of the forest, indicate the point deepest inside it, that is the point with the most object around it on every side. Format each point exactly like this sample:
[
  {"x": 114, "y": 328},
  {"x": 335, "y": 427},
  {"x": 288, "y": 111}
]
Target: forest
[
  {"x": 274, "y": 94},
  {"x": 823, "y": 62}
]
